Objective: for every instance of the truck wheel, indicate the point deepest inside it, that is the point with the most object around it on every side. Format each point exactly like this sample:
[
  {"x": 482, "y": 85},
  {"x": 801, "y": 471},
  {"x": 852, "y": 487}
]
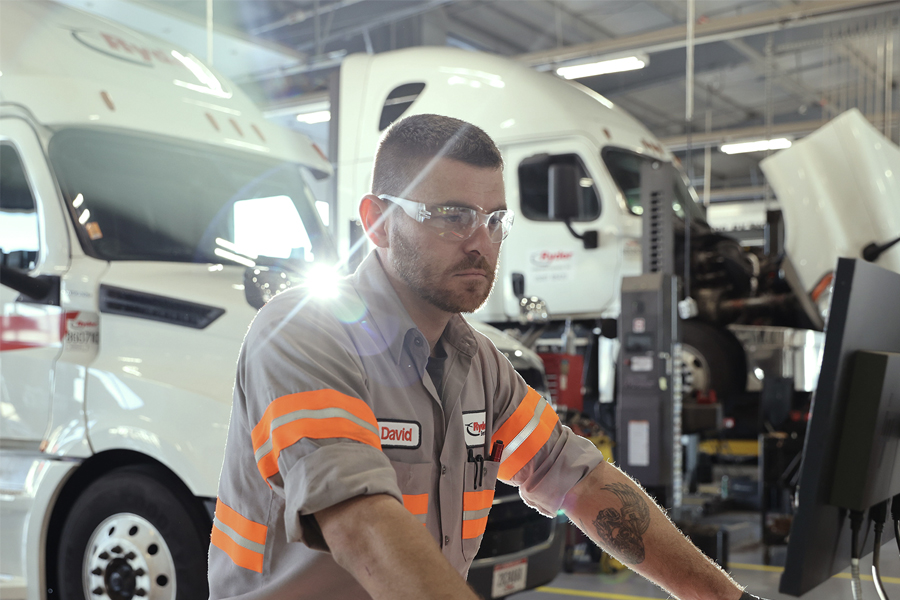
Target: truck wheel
[
  {"x": 713, "y": 360},
  {"x": 129, "y": 536}
]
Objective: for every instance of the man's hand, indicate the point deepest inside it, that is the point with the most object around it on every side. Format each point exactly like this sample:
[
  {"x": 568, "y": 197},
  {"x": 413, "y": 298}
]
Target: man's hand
[
  {"x": 388, "y": 551},
  {"x": 619, "y": 516}
]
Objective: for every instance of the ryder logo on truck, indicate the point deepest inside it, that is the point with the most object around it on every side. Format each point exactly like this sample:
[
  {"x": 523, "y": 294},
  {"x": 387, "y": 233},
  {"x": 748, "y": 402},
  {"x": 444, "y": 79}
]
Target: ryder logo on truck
[
  {"x": 474, "y": 423},
  {"x": 551, "y": 258},
  {"x": 127, "y": 48},
  {"x": 400, "y": 434}
]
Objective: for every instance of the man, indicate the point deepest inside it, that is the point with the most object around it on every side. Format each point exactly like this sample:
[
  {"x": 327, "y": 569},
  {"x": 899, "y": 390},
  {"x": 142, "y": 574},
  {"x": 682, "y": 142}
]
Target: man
[{"x": 348, "y": 431}]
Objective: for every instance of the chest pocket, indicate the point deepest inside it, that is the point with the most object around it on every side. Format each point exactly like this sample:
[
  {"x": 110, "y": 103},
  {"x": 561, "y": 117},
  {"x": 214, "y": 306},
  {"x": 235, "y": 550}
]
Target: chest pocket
[
  {"x": 478, "y": 496},
  {"x": 414, "y": 481}
]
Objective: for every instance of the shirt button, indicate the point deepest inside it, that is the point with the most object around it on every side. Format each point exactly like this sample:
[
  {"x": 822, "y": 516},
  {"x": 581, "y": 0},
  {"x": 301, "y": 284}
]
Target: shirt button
[
  {"x": 418, "y": 341},
  {"x": 443, "y": 469},
  {"x": 446, "y": 539}
]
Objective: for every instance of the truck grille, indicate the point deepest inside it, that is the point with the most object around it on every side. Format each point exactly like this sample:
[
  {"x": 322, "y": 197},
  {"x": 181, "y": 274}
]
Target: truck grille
[
  {"x": 512, "y": 526},
  {"x": 131, "y": 303}
]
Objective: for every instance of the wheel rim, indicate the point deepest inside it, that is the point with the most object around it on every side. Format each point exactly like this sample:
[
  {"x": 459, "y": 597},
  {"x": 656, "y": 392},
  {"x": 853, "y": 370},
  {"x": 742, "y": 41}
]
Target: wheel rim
[
  {"x": 695, "y": 371},
  {"x": 128, "y": 559}
]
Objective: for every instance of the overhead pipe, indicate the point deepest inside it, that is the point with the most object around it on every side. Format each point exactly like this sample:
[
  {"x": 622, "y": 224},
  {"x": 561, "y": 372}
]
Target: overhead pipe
[{"x": 810, "y": 12}]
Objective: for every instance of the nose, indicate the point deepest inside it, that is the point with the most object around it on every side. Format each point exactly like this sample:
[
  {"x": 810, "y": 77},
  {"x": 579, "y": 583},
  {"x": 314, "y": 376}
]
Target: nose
[{"x": 480, "y": 241}]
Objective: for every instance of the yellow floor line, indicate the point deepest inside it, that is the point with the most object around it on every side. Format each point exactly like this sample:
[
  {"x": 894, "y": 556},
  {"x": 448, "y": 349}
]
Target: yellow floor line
[
  {"x": 869, "y": 578},
  {"x": 748, "y": 567},
  {"x": 585, "y": 594}
]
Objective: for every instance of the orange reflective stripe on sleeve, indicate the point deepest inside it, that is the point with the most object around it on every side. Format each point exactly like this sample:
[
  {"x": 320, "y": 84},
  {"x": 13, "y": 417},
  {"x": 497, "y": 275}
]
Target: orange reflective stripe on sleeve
[
  {"x": 240, "y": 555},
  {"x": 417, "y": 504},
  {"x": 524, "y": 433},
  {"x": 253, "y": 531},
  {"x": 320, "y": 414},
  {"x": 476, "y": 506},
  {"x": 243, "y": 540}
]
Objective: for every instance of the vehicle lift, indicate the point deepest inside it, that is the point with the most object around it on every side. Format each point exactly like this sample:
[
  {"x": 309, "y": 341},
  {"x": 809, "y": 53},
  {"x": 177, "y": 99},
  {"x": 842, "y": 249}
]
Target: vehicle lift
[{"x": 649, "y": 415}]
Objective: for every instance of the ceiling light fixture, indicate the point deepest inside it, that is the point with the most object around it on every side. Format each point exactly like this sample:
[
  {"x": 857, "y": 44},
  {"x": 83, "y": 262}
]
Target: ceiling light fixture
[
  {"x": 756, "y": 146},
  {"x": 319, "y": 116},
  {"x": 616, "y": 65}
]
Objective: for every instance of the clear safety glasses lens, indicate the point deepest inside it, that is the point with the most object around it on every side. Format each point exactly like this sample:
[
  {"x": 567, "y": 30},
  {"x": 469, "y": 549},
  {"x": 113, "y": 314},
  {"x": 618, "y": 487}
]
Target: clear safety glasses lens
[{"x": 456, "y": 222}]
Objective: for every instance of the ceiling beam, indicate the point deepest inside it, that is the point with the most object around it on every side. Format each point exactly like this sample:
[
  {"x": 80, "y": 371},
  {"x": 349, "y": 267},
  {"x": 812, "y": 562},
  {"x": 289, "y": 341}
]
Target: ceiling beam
[
  {"x": 408, "y": 10},
  {"x": 489, "y": 39},
  {"x": 803, "y": 13},
  {"x": 580, "y": 21},
  {"x": 723, "y": 136},
  {"x": 758, "y": 61}
]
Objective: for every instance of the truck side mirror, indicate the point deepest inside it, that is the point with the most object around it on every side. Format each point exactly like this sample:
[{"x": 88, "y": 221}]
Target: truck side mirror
[
  {"x": 564, "y": 192},
  {"x": 564, "y": 201},
  {"x": 43, "y": 289}
]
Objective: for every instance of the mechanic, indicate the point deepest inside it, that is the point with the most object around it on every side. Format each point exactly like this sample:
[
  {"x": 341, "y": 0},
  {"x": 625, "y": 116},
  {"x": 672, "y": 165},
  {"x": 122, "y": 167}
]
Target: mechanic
[{"x": 368, "y": 430}]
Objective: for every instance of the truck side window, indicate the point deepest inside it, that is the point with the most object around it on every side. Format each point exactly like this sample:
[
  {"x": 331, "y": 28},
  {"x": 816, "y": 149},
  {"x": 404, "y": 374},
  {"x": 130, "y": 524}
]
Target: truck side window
[
  {"x": 18, "y": 213},
  {"x": 625, "y": 168},
  {"x": 534, "y": 185},
  {"x": 397, "y": 103}
]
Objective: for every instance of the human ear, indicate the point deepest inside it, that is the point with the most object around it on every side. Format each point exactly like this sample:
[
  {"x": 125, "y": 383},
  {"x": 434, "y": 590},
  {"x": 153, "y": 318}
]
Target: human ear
[{"x": 373, "y": 216}]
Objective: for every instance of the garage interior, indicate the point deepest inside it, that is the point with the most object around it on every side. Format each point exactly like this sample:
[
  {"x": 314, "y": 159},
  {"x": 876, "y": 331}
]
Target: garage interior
[{"x": 714, "y": 75}]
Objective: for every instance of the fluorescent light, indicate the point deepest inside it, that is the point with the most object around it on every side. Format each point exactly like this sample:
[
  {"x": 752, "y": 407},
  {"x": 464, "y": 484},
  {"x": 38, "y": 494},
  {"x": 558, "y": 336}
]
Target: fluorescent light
[
  {"x": 756, "y": 146},
  {"x": 320, "y": 116},
  {"x": 616, "y": 65},
  {"x": 242, "y": 260}
]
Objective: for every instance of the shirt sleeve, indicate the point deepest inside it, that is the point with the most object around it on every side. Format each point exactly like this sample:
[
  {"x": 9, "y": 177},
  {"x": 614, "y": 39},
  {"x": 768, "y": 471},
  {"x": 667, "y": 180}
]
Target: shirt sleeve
[
  {"x": 315, "y": 438},
  {"x": 544, "y": 458}
]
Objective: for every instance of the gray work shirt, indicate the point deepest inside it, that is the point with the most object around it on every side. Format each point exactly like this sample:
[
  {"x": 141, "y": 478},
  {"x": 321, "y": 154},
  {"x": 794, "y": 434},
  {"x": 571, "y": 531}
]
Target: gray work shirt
[{"x": 333, "y": 400}]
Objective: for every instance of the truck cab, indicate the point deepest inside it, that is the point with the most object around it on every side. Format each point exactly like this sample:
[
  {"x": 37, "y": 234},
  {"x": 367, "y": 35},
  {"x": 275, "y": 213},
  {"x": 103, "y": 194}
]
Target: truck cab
[{"x": 147, "y": 210}]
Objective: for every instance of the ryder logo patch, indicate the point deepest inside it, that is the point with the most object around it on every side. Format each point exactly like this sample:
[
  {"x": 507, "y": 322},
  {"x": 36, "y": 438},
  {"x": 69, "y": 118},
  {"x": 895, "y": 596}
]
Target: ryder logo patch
[
  {"x": 400, "y": 434},
  {"x": 475, "y": 425}
]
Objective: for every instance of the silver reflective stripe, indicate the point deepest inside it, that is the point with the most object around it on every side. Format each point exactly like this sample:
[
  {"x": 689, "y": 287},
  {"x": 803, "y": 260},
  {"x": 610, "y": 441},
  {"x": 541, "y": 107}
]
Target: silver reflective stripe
[
  {"x": 471, "y": 515},
  {"x": 526, "y": 431},
  {"x": 238, "y": 538},
  {"x": 321, "y": 413},
  {"x": 264, "y": 449}
]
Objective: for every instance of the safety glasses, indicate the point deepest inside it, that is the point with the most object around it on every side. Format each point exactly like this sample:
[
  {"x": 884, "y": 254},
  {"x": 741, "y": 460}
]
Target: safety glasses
[{"x": 456, "y": 222}]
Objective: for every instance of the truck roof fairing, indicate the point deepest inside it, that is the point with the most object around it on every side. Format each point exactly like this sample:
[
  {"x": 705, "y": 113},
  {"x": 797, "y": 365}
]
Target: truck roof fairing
[{"x": 113, "y": 76}]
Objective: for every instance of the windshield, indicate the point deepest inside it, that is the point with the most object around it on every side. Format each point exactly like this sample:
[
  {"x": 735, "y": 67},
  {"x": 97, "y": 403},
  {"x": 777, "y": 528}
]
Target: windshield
[
  {"x": 142, "y": 197},
  {"x": 625, "y": 168}
]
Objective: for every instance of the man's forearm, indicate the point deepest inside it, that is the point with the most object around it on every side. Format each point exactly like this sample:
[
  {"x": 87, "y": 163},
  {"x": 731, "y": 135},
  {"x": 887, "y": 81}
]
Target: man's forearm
[
  {"x": 616, "y": 513},
  {"x": 389, "y": 552}
]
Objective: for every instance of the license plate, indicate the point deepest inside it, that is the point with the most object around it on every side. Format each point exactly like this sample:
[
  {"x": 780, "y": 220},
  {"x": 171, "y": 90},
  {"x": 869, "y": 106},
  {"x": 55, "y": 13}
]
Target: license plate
[{"x": 509, "y": 578}]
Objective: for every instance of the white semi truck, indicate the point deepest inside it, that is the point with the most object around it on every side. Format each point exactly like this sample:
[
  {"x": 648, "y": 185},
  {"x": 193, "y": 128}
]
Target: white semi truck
[
  {"x": 146, "y": 211},
  {"x": 755, "y": 318}
]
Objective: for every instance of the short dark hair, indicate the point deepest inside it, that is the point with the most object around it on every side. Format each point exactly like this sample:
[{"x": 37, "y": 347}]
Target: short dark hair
[{"x": 411, "y": 143}]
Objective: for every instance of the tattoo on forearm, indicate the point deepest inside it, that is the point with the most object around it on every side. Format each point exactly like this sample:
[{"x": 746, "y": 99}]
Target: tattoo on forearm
[{"x": 623, "y": 530}]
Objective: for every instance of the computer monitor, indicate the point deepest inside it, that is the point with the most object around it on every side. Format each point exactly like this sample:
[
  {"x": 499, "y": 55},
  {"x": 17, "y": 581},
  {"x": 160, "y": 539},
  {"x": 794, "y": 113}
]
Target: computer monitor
[{"x": 864, "y": 316}]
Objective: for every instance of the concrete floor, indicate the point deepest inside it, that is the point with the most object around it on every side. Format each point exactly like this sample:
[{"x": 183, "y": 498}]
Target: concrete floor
[{"x": 746, "y": 566}]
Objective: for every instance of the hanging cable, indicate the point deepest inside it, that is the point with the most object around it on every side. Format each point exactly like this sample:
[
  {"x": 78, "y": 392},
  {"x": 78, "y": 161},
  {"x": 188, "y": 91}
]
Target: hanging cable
[
  {"x": 878, "y": 514},
  {"x": 856, "y": 518}
]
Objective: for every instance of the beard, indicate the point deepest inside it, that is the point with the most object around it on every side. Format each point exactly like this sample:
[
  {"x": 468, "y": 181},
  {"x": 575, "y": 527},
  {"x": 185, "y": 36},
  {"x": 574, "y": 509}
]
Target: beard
[{"x": 412, "y": 265}]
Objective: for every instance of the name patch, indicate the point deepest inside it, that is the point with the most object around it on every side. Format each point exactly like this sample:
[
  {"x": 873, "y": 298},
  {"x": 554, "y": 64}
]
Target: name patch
[
  {"x": 475, "y": 425},
  {"x": 400, "y": 434}
]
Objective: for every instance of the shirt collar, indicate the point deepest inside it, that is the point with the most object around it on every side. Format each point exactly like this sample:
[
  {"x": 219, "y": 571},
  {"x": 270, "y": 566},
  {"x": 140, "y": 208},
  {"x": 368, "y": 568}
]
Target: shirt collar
[{"x": 390, "y": 318}]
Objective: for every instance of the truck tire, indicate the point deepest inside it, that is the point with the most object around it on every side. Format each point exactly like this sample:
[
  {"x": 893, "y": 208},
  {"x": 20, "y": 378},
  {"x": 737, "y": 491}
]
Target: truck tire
[
  {"x": 131, "y": 536},
  {"x": 713, "y": 360}
]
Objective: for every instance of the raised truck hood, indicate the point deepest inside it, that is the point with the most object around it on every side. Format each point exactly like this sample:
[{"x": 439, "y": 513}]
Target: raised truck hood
[{"x": 839, "y": 192}]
